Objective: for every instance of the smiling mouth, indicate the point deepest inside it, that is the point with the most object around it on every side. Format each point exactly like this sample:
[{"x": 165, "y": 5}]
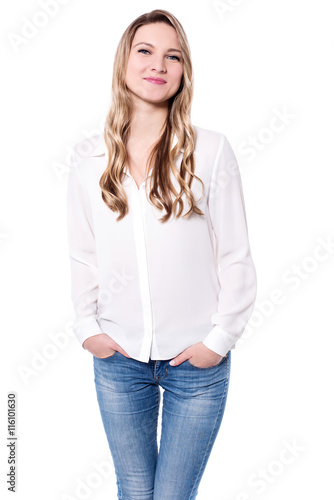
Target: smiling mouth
[{"x": 157, "y": 81}]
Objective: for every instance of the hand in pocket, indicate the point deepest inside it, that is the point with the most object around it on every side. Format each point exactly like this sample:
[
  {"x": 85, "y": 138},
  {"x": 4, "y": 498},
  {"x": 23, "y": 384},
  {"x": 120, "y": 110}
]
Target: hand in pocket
[
  {"x": 103, "y": 346},
  {"x": 200, "y": 356}
]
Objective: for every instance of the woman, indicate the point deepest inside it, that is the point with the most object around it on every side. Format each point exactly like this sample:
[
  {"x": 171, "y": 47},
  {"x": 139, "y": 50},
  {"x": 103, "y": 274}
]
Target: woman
[{"x": 163, "y": 281}]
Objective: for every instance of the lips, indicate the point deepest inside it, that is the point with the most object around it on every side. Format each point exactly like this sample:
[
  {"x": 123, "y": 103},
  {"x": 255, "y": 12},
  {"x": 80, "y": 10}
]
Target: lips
[{"x": 157, "y": 81}]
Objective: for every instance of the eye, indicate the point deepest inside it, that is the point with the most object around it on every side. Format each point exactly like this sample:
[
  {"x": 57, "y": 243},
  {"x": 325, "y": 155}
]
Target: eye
[
  {"x": 144, "y": 51},
  {"x": 174, "y": 58}
]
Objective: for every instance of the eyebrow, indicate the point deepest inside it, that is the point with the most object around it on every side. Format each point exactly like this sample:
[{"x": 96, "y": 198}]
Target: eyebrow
[{"x": 150, "y": 45}]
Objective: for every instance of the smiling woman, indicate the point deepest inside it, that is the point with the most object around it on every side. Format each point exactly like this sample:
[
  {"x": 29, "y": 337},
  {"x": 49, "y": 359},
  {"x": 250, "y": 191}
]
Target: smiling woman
[
  {"x": 147, "y": 50},
  {"x": 154, "y": 73},
  {"x": 163, "y": 281}
]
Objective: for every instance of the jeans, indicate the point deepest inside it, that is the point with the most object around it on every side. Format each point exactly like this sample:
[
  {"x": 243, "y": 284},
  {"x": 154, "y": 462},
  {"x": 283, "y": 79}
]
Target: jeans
[{"x": 128, "y": 395}]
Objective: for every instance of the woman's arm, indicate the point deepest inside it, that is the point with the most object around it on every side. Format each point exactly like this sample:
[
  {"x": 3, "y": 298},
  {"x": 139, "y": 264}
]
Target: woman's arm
[
  {"x": 82, "y": 252},
  {"x": 237, "y": 275}
]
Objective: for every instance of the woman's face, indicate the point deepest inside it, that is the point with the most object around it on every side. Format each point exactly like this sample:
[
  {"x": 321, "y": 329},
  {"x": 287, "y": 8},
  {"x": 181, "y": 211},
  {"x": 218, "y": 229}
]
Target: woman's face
[{"x": 155, "y": 66}]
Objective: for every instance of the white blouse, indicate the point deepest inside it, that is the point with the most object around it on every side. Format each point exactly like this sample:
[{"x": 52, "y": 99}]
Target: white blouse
[{"x": 158, "y": 288}]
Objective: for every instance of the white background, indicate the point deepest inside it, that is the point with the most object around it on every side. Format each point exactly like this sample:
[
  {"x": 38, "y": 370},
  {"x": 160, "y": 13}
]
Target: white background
[{"x": 253, "y": 60}]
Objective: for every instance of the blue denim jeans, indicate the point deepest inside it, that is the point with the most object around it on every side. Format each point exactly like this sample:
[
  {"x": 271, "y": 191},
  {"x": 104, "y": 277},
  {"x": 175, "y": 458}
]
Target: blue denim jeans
[{"x": 128, "y": 395}]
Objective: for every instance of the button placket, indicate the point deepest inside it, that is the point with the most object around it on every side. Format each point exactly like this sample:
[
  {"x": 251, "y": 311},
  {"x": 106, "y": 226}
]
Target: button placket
[{"x": 139, "y": 202}]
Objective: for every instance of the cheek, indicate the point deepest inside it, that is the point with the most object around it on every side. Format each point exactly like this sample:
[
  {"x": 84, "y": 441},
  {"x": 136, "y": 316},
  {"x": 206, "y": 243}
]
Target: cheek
[
  {"x": 178, "y": 76},
  {"x": 135, "y": 66},
  {"x": 132, "y": 69}
]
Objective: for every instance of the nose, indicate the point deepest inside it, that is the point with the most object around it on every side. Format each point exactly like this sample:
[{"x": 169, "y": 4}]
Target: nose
[{"x": 158, "y": 64}]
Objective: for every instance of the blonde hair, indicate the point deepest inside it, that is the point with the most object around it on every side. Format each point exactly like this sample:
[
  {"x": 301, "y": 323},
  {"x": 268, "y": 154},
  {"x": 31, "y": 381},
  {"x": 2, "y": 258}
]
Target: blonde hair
[{"x": 163, "y": 194}]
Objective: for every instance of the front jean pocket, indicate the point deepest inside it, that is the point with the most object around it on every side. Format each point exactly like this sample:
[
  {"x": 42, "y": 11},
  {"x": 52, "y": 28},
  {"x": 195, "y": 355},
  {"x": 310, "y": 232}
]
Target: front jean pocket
[
  {"x": 107, "y": 357},
  {"x": 208, "y": 367}
]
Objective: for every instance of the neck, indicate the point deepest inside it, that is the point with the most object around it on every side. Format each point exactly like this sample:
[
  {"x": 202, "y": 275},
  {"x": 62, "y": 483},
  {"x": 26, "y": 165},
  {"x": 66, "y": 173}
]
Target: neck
[{"x": 147, "y": 121}]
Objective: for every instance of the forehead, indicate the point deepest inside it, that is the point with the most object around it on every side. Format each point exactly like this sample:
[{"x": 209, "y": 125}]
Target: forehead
[{"x": 155, "y": 33}]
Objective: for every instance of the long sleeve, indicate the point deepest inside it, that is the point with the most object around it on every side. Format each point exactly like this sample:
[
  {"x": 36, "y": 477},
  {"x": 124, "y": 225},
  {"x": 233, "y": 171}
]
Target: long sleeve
[
  {"x": 82, "y": 253},
  {"x": 237, "y": 274}
]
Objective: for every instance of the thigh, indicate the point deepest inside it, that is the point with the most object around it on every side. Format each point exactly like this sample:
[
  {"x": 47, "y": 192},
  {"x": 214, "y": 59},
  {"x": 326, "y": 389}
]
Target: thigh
[
  {"x": 194, "y": 401},
  {"x": 129, "y": 406}
]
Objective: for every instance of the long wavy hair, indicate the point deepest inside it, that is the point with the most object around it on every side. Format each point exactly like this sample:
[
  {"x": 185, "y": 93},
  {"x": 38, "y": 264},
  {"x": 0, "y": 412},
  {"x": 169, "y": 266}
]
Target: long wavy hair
[{"x": 163, "y": 194}]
